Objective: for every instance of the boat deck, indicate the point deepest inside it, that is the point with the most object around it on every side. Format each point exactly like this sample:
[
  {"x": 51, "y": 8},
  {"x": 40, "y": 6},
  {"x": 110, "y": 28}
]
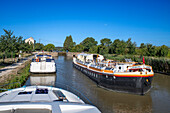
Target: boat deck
[{"x": 44, "y": 99}]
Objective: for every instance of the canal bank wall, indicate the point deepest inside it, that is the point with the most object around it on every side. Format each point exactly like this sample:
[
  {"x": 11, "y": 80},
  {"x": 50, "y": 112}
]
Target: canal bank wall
[{"x": 70, "y": 54}]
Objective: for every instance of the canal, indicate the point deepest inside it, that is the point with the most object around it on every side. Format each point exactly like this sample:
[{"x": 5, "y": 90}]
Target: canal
[{"x": 155, "y": 101}]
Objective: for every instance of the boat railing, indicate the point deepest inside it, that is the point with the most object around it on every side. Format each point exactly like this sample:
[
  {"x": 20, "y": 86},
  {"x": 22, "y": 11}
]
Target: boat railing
[{"x": 73, "y": 90}]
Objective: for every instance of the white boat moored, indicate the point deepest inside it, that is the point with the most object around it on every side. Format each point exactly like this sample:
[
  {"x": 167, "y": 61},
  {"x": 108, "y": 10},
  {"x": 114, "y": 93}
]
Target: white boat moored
[{"x": 43, "y": 64}]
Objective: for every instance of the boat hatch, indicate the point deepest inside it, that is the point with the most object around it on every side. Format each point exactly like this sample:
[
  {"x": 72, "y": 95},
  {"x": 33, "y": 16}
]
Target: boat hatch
[
  {"x": 41, "y": 91},
  {"x": 59, "y": 94},
  {"x": 25, "y": 92}
]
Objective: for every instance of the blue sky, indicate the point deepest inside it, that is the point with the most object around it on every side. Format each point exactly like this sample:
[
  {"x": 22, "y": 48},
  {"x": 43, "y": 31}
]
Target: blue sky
[{"x": 145, "y": 21}]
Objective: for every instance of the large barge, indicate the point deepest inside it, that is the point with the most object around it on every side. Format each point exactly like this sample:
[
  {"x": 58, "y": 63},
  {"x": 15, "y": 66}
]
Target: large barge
[{"x": 130, "y": 77}]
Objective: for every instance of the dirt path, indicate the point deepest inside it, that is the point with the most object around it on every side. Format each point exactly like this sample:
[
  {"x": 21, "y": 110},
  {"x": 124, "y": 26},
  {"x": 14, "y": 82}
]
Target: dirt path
[{"x": 13, "y": 69}]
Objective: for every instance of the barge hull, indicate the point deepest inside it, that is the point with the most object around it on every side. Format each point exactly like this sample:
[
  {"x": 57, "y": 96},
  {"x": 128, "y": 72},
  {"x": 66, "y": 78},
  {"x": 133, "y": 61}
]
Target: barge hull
[{"x": 135, "y": 85}]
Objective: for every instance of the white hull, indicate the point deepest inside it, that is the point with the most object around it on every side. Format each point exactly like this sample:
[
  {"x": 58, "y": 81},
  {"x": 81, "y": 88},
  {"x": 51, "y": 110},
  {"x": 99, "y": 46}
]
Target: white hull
[{"x": 42, "y": 67}]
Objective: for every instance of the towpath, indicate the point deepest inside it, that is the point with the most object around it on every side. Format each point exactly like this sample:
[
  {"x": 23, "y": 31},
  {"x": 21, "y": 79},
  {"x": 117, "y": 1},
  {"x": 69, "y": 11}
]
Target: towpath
[{"x": 8, "y": 69}]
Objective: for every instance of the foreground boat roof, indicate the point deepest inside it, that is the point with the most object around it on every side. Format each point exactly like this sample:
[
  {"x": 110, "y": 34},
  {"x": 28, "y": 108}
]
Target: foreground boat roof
[{"x": 44, "y": 99}]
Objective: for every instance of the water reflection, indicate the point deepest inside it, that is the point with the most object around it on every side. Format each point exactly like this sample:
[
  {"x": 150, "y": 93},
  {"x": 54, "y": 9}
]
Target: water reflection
[{"x": 42, "y": 79}]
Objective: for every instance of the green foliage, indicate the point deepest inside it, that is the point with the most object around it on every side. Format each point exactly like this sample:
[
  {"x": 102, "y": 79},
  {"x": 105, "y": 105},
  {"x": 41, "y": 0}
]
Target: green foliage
[
  {"x": 39, "y": 46},
  {"x": 119, "y": 47},
  {"x": 68, "y": 43},
  {"x": 162, "y": 51},
  {"x": 88, "y": 43},
  {"x": 131, "y": 46},
  {"x": 78, "y": 48},
  {"x": 18, "y": 80},
  {"x": 105, "y": 42},
  {"x": 169, "y": 53},
  {"x": 10, "y": 44},
  {"x": 93, "y": 49},
  {"x": 103, "y": 49},
  {"x": 151, "y": 51},
  {"x": 49, "y": 47}
]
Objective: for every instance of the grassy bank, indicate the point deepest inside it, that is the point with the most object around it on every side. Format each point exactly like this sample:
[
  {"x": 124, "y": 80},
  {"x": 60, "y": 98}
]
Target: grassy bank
[
  {"x": 158, "y": 64},
  {"x": 17, "y": 80}
]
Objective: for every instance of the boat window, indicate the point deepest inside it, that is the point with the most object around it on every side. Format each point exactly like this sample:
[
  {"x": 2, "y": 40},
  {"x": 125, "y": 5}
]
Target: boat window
[
  {"x": 25, "y": 92},
  {"x": 41, "y": 91},
  {"x": 119, "y": 67},
  {"x": 39, "y": 55},
  {"x": 148, "y": 70},
  {"x": 138, "y": 63},
  {"x": 107, "y": 68},
  {"x": 140, "y": 70},
  {"x": 48, "y": 60}
]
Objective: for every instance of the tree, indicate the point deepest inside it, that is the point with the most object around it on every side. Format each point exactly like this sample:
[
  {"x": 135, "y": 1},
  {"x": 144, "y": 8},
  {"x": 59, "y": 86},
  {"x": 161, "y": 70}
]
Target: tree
[
  {"x": 103, "y": 49},
  {"x": 119, "y": 47},
  {"x": 39, "y": 46},
  {"x": 115, "y": 45},
  {"x": 105, "y": 46},
  {"x": 131, "y": 46},
  {"x": 49, "y": 47},
  {"x": 68, "y": 43},
  {"x": 151, "y": 51},
  {"x": 162, "y": 51},
  {"x": 105, "y": 42},
  {"x": 88, "y": 43},
  {"x": 94, "y": 49},
  {"x": 78, "y": 48},
  {"x": 142, "y": 50}
]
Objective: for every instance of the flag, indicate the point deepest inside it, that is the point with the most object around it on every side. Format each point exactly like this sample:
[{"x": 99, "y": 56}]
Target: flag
[{"x": 143, "y": 60}]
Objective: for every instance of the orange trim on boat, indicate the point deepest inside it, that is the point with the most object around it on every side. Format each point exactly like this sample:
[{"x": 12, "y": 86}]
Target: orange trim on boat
[
  {"x": 82, "y": 64},
  {"x": 95, "y": 69},
  {"x": 108, "y": 71},
  {"x": 133, "y": 75}
]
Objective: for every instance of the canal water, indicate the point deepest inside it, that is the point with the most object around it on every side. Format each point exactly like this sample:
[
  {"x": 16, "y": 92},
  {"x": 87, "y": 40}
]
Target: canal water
[{"x": 155, "y": 101}]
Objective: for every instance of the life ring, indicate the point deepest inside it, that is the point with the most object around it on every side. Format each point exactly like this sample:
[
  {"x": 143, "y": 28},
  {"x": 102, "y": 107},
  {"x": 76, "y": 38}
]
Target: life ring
[{"x": 37, "y": 60}]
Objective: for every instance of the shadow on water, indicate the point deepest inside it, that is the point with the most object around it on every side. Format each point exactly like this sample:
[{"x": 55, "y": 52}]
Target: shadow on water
[{"x": 157, "y": 100}]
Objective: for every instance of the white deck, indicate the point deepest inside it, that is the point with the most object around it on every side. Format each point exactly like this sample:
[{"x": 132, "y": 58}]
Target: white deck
[{"x": 12, "y": 101}]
